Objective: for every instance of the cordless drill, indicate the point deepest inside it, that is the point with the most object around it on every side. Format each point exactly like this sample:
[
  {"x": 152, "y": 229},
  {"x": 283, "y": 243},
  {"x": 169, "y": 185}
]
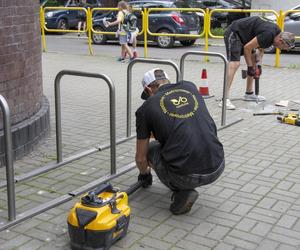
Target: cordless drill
[
  {"x": 292, "y": 118},
  {"x": 258, "y": 72}
]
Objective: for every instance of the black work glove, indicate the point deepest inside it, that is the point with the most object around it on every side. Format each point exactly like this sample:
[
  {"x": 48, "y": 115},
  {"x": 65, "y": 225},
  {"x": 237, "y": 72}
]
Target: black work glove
[
  {"x": 259, "y": 69},
  {"x": 250, "y": 71},
  {"x": 146, "y": 178}
]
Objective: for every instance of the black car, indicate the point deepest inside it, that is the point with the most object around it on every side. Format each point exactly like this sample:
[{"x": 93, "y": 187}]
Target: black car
[
  {"x": 223, "y": 19},
  {"x": 159, "y": 22},
  {"x": 64, "y": 19}
]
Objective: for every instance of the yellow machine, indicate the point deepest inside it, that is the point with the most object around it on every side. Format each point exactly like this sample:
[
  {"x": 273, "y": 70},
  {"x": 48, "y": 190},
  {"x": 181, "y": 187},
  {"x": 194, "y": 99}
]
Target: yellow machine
[
  {"x": 99, "y": 219},
  {"x": 292, "y": 118}
]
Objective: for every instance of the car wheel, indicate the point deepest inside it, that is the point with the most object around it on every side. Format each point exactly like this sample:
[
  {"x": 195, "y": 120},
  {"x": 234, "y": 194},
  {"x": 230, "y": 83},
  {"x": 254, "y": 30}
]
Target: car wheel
[
  {"x": 270, "y": 50},
  {"x": 165, "y": 41},
  {"x": 187, "y": 42},
  {"x": 99, "y": 38},
  {"x": 62, "y": 24}
]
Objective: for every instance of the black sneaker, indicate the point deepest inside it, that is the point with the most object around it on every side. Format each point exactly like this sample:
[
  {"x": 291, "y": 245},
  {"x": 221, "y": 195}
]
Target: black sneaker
[{"x": 182, "y": 201}]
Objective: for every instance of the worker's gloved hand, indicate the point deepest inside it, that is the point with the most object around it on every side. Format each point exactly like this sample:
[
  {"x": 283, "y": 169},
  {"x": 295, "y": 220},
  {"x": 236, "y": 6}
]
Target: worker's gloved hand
[
  {"x": 250, "y": 71},
  {"x": 259, "y": 69},
  {"x": 146, "y": 178}
]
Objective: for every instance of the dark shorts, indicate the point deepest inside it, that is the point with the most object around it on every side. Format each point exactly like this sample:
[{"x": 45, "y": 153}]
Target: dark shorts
[
  {"x": 234, "y": 46},
  {"x": 175, "y": 181},
  {"x": 81, "y": 16}
]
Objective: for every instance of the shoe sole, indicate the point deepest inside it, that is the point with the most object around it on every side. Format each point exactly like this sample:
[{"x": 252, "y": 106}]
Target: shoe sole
[
  {"x": 228, "y": 108},
  {"x": 188, "y": 205},
  {"x": 253, "y": 100}
]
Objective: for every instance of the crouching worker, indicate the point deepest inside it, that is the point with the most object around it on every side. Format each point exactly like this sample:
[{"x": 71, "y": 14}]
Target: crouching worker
[{"x": 186, "y": 153}]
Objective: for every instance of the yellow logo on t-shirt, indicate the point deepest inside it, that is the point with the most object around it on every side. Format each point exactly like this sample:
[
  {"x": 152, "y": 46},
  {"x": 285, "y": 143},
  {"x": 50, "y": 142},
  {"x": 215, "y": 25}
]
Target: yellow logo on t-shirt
[
  {"x": 181, "y": 100},
  {"x": 179, "y": 103}
]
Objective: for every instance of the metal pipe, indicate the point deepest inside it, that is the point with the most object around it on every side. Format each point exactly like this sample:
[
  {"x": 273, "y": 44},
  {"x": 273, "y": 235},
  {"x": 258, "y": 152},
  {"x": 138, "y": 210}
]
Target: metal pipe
[
  {"x": 58, "y": 117},
  {"x": 103, "y": 179},
  {"x": 47, "y": 168},
  {"x": 112, "y": 108},
  {"x": 65, "y": 198},
  {"x": 129, "y": 82},
  {"x": 204, "y": 53},
  {"x": 11, "y": 200}
]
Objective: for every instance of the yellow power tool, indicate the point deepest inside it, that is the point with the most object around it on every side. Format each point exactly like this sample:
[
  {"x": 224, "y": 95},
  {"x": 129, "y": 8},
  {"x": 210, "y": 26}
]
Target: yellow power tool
[{"x": 292, "y": 118}]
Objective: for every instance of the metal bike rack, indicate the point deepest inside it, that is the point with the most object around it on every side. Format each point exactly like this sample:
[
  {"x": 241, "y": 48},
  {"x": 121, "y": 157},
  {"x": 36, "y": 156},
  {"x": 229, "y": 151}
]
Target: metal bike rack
[
  {"x": 129, "y": 82},
  {"x": 13, "y": 219},
  {"x": 112, "y": 110},
  {"x": 65, "y": 198},
  {"x": 11, "y": 200},
  {"x": 60, "y": 161},
  {"x": 213, "y": 54}
]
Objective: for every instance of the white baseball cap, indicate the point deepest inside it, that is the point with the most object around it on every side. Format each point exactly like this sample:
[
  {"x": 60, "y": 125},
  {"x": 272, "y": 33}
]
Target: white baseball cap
[{"x": 150, "y": 77}]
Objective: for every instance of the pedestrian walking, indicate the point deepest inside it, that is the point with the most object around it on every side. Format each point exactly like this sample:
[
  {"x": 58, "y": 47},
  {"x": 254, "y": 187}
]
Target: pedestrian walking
[
  {"x": 122, "y": 34},
  {"x": 82, "y": 17}
]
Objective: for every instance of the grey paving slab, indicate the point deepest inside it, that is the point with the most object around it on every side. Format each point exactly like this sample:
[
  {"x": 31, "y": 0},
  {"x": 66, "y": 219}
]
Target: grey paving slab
[{"x": 255, "y": 204}]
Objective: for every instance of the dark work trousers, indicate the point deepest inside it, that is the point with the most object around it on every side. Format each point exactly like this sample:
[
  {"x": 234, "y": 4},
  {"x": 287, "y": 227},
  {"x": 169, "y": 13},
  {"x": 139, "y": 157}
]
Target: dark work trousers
[{"x": 175, "y": 181}]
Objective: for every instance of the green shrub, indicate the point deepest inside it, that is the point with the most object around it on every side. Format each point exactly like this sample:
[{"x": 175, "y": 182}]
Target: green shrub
[{"x": 218, "y": 31}]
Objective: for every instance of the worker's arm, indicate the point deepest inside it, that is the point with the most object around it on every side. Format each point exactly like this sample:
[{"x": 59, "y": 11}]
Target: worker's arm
[
  {"x": 141, "y": 155},
  {"x": 253, "y": 44}
]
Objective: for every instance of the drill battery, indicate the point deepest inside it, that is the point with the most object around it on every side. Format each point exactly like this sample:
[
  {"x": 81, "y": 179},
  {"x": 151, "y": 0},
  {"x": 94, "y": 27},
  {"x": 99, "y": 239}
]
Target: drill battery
[
  {"x": 99, "y": 219},
  {"x": 292, "y": 118}
]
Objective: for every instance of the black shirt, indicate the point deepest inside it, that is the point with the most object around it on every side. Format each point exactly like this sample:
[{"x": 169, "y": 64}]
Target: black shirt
[
  {"x": 250, "y": 27},
  {"x": 179, "y": 120}
]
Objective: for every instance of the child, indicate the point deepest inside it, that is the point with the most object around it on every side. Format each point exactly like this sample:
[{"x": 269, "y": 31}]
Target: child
[
  {"x": 123, "y": 10},
  {"x": 82, "y": 17},
  {"x": 132, "y": 34}
]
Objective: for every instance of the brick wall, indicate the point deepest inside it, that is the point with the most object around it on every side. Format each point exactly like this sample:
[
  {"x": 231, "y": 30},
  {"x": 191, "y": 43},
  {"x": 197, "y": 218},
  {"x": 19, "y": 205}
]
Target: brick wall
[{"x": 20, "y": 58}]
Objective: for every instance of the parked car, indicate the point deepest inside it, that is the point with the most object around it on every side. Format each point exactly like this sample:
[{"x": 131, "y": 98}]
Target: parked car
[
  {"x": 159, "y": 22},
  {"x": 64, "y": 19},
  {"x": 223, "y": 19},
  {"x": 291, "y": 24}
]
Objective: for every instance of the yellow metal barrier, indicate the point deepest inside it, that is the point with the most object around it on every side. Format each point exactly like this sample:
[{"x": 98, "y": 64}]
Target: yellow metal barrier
[
  {"x": 42, "y": 24},
  {"x": 145, "y": 25},
  {"x": 146, "y": 20},
  {"x": 173, "y": 34},
  {"x": 44, "y": 27},
  {"x": 89, "y": 25},
  {"x": 206, "y": 30},
  {"x": 240, "y": 11},
  {"x": 64, "y": 8}
]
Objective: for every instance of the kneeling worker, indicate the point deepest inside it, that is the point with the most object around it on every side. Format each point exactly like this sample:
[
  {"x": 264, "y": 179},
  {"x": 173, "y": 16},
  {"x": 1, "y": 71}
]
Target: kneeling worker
[{"x": 186, "y": 153}]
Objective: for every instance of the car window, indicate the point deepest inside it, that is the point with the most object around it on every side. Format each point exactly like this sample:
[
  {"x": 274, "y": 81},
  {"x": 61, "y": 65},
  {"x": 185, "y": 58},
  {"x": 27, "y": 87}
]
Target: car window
[
  {"x": 209, "y": 3},
  {"x": 93, "y": 3},
  {"x": 54, "y": 3}
]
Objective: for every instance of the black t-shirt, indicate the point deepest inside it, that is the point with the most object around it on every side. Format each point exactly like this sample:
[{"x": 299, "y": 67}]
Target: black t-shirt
[
  {"x": 250, "y": 27},
  {"x": 178, "y": 118}
]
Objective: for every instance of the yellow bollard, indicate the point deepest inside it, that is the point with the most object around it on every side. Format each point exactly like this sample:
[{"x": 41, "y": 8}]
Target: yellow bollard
[{"x": 42, "y": 23}]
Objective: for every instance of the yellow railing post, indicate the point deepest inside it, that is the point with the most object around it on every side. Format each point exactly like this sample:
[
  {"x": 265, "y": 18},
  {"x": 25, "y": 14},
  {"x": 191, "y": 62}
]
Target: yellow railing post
[
  {"x": 206, "y": 29},
  {"x": 280, "y": 20},
  {"x": 145, "y": 23},
  {"x": 89, "y": 24},
  {"x": 42, "y": 23}
]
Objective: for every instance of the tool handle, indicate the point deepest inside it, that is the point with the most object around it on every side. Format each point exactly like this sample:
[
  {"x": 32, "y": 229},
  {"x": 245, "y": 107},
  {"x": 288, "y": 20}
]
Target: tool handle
[
  {"x": 268, "y": 113},
  {"x": 134, "y": 187},
  {"x": 256, "y": 86}
]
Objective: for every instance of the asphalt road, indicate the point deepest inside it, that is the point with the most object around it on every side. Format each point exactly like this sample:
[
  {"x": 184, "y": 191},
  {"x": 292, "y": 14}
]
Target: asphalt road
[{"x": 70, "y": 43}]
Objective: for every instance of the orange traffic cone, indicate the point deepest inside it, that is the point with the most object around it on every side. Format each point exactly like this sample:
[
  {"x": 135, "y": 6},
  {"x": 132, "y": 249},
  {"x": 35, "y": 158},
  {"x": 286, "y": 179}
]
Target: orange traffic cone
[{"x": 203, "y": 89}]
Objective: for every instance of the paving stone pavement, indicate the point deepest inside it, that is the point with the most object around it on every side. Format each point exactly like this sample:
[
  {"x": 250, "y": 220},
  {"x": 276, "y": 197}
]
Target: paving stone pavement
[{"x": 255, "y": 204}]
